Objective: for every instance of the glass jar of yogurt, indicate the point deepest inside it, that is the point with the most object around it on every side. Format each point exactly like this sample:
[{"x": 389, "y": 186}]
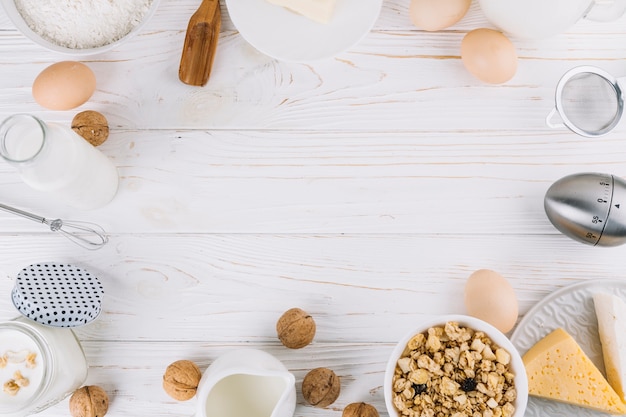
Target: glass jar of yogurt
[{"x": 39, "y": 366}]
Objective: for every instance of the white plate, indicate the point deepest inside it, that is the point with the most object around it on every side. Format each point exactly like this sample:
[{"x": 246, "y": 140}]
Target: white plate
[
  {"x": 572, "y": 309},
  {"x": 288, "y": 36}
]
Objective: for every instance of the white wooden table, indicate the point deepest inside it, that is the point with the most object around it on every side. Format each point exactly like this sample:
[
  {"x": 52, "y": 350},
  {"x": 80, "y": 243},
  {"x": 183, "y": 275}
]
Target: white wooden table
[{"x": 364, "y": 189}]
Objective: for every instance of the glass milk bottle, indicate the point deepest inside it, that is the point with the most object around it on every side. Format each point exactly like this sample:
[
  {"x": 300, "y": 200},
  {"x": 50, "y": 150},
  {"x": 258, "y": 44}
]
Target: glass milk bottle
[
  {"x": 39, "y": 366},
  {"x": 55, "y": 159}
]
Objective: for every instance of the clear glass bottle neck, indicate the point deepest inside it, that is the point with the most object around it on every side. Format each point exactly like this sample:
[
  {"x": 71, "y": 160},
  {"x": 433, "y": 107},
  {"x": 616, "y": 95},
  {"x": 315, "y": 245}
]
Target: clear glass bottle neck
[{"x": 22, "y": 138}]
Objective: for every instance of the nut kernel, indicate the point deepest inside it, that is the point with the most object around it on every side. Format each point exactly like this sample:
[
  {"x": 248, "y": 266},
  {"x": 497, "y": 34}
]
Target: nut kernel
[
  {"x": 20, "y": 380},
  {"x": 11, "y": 388}
]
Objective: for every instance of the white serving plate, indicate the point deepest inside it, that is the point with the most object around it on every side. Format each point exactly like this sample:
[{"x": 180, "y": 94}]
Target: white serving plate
[
  {"x": 572, "y": 309},
  {"x": 288, "y": 36}
]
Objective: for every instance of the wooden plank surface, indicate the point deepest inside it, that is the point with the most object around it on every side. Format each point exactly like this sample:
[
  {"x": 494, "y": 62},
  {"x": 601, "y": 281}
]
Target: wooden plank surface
[{"x": 364, "y": 188}]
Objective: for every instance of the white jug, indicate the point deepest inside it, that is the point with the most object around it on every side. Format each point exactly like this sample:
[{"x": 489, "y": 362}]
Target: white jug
[
  {"x": 246, "y": 383},
  {"x": 536, "y": 19}
]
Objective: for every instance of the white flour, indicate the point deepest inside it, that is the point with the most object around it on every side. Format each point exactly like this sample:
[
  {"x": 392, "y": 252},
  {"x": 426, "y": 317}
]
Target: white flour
[{"x": 81, "y": 24}]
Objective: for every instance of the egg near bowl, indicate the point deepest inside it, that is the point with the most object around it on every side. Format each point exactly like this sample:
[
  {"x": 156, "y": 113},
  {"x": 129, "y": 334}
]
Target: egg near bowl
[
  {"x": 490, "y": 297},
  {"x": 434, "y": 359},
  {"x": 433, "y": 15},
  {"x": 489, "y": 56}
]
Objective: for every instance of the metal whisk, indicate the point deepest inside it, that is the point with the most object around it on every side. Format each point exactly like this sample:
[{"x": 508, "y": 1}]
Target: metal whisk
[{"x": 88, "y": 235}]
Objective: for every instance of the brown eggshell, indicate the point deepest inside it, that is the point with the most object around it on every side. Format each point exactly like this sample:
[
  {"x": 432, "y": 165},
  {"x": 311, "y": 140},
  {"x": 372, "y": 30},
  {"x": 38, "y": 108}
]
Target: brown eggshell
[
  {"x": 64, "y": 85},
  {"x": 491, "y": 298},
  {"x": 433, "y": 15},
  {"x": 489, "y": 56}
]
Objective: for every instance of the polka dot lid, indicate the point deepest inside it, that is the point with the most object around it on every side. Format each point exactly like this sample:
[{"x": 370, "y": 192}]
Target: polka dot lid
[{"x": 58, "y": 295}]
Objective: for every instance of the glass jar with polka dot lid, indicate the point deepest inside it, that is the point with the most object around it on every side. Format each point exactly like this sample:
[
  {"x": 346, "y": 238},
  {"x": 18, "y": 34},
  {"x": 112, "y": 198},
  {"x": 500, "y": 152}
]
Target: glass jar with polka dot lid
[
  {"x": 41, "y": 359},
  {"x": 39, "y": 366}
]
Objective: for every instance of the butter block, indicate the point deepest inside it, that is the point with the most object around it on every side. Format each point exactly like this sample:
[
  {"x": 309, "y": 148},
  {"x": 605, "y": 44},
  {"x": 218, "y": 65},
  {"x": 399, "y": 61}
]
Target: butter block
[
  {"x": 318, "y": 10},
  {"x": 558, "y": 369},
  {"x": 611, "y": 315}
]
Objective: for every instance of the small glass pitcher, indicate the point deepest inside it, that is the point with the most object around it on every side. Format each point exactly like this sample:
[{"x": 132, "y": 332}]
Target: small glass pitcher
[{"x": 55, "y": 159}]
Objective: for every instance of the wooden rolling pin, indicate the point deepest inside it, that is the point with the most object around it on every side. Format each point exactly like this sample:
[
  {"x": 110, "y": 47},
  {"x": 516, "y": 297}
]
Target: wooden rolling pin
[{"x": 203, "y": 32}]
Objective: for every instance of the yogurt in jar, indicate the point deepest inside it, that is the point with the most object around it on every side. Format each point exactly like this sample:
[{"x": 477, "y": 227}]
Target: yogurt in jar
[{"x": 39, "y": 366}]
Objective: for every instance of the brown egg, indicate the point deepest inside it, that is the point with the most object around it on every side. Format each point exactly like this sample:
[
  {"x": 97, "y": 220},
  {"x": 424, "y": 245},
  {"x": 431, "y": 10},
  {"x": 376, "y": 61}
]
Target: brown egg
[
  {"x": 489, "y": 56},
  {"x": 490, "y": 297},
  {"x": 64, "y": 85},
  {"x": 432, "y": 15}
]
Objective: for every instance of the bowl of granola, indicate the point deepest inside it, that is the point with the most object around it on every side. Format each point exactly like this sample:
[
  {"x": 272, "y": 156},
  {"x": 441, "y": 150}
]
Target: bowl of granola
[{"x": 457, "y": 366}]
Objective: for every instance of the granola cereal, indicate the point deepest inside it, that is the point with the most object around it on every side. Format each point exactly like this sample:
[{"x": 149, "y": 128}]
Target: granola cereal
[{"x": 453, "y": 371}]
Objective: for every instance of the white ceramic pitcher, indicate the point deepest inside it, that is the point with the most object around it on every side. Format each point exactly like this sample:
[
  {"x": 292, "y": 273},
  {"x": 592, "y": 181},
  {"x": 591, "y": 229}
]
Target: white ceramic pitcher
[
  {"x": 536, "y": 19},
  {"x": 246, "y": 383}
]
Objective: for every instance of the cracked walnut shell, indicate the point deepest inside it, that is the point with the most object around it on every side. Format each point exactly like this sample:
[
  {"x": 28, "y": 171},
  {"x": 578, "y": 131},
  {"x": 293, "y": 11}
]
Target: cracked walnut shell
[
  {"x": 320, "y": 387},
  {"x": 295, "y": 328},
  {"x": 181, "y": 379},
  {"x": 89, "y": 401},
  {"x": 360, "y": 410},
  {"x": 92, "y": 126}
]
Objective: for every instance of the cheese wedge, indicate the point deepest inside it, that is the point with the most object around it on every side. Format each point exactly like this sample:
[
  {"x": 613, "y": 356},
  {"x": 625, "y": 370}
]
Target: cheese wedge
[
  {"x": 611, "y": 314},
  {"x": 558, "y": 369},
  {"x": 318, "y": 10}
]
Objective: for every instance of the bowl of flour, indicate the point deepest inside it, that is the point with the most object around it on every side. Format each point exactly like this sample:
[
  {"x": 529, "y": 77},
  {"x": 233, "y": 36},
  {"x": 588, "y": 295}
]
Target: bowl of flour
[{"x": 79, "y": 27}]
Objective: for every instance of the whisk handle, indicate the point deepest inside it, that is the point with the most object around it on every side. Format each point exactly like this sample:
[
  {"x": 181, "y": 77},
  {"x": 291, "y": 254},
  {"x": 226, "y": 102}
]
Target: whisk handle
[{"x": 23, "y": 213}]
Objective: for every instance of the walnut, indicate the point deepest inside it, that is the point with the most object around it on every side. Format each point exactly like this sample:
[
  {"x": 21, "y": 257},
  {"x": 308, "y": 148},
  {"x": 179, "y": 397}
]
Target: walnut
[
  {"x": 295, "y": 328},
  {"x": 321, "y": 387},
  {"x": 360, "y": 410},
  {"x": 89, "y": 401},
  {"x": 10, "y": 387},
  {"x": 92, "y": 126},
  {"x": 31, "y": 360},
  {"x": 181, "y": 379},
  {"x": 20, "y": 379}
]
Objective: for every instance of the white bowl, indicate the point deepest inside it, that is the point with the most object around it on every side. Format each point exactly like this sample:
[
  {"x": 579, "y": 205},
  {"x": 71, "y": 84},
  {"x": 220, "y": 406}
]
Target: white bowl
[
  {"x": 517, "y": 366},
  {"x": 19, "y": 22}
]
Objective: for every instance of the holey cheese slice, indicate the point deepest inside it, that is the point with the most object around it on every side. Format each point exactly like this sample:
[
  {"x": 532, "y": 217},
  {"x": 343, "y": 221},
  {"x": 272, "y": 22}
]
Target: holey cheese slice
[
  {"x": 318, "y": 10},
  {"x": 558, "y": 369},
  {"x": 611, "y": 314}
]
